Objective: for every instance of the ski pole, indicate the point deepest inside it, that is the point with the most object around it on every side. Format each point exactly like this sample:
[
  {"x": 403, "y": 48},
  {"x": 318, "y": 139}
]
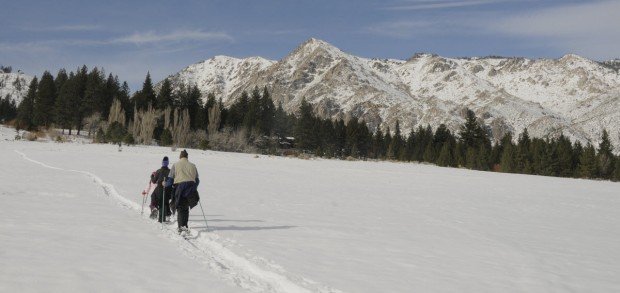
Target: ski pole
[
  {"x": 203, "y": 215},
  {"x": 162, "y": 212},
  {"x": 144, "y": 193}
]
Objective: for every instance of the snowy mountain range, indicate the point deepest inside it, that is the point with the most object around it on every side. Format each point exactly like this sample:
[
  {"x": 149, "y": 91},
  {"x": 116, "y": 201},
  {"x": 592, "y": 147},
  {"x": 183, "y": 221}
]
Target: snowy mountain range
[
  {"x": 14, "y": 85},
  {"x": 571, "y": 95}
]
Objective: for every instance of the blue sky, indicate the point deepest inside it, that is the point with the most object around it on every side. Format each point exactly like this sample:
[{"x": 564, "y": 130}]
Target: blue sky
[{"x": 162, "y": 37}]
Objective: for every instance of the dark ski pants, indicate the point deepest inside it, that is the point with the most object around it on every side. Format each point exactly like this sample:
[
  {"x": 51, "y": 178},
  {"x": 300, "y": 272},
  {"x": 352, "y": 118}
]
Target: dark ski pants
[{"x": 183, "y": 213}]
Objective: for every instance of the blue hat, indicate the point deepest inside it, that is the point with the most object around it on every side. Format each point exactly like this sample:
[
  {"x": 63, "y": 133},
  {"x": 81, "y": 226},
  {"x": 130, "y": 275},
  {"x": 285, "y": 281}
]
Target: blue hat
[{"x": 164, "y": 163}]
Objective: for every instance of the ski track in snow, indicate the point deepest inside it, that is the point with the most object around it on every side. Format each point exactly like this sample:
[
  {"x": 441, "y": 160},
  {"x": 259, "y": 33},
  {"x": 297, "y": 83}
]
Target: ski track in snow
[{"x": 250, "y": 273}]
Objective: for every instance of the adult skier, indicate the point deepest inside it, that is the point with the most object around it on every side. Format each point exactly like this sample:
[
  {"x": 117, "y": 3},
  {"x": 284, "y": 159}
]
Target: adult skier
[
  {"x": 160, "y": 198},
  {"x": 184, "y": 176}
]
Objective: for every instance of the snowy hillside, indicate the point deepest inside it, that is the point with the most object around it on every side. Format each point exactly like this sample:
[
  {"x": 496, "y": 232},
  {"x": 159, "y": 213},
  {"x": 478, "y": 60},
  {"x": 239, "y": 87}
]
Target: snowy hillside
[
  {"x": 570, "y": 95},
  {"x": 14, "y": 85},
  {"x": 289, "y": 225}
]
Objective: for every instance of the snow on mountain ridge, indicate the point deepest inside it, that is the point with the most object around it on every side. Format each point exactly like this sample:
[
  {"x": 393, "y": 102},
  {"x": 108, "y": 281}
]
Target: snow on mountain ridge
[
  {"x": 221, "y": 74},
  {"x": 549, "y": 96},
  {"x": 14, "y": 85}
]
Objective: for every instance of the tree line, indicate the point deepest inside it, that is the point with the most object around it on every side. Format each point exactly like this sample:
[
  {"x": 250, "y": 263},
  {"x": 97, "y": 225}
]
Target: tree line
[
  {"x": 253, "y": 123},
  {"x": 470, "y": 147}
]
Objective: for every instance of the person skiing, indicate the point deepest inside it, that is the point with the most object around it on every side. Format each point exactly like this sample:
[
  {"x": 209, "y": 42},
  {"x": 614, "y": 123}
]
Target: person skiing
[
  {"x": 184, "y": 176},
  {"x": 159, "y": 179}
]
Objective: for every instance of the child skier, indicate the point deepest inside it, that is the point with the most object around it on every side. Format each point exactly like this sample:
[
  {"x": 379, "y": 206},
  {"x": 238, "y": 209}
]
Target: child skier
[{"x": 159, "y": 178}]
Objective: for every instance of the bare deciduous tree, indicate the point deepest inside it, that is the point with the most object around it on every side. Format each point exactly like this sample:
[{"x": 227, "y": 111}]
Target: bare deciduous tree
[
  {"x": 148, "y": 124},
  {"x": 92, "y": 122},
  {"x": 117, "y": 114},
  {"x": 143, "y": 125},
  {"x": 214, "y": 118},
  {"x": 180, "y": 128},
  {"x": 167, "y": 121}
]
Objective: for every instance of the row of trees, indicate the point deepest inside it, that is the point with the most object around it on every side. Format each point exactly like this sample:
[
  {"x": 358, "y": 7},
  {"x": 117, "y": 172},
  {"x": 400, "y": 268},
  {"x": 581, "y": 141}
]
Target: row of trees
[
  {"x": 253, "y": 123},
  {"x": 70, "y": 100},
  {"x": 470, "y": 147}
]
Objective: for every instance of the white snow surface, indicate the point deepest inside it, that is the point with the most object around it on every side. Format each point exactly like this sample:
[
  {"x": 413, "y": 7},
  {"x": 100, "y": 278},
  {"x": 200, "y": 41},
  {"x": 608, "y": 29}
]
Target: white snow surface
[{"x": 71, "y": 222}]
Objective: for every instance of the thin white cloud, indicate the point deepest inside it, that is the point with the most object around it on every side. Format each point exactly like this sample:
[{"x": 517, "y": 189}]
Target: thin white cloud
[
  {"x": 28, "y": 47},
  {"x": 566, "y": 21},
  {"x": 272, "y": 32},
  {"x": 176, "y": 36},
  {"x": 440, "y": 4},
  {"x": 591, "y": 29},
  {"x": 65, "y": 28},
  {"x": 407, "y": 28},
  {"x": 133, "y": 39}
]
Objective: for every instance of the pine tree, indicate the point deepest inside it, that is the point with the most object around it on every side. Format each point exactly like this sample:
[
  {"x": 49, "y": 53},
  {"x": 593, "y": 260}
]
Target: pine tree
[
  {"x": 25, "y": 110},
  {"x": 523, "y": 156},
  {"x": 459, "y": 155},
  {"x": 549, "y": 160},
  {"x": 280, "y": 123},
  {"x": 197, "y": 120},
  {"x": 63, "y": 107},
  {"x": 304, "y": 129},
  {"x": 564, "y": 157},
  {"x": 61, "y": 78},
  {"x": 238, "y": 110},
  {"x": 429, "y": 153},
  {"x": 507, "y": 161},
  {"x": 536, "y": 152},
  {"x": 148, "y": 91},
  {"x": 251, "y": 119},
  {"x": 471, "y": 133},
  {"x": 587, "y": 162},
  {"x": 482, "y": 158},
  {"x": 79, "y": 102},
  {"x": 123, "y": 96},
  {"x": 387, "y": 140},
  {"x": 616, "y": 176},
  {"x": 577, "y": 152},
  {"x": 446, "y": 158},
  {"x": 145, "y": 97},
  {"x": 425, "y": 137},
  {"x": 110, "y": 92},
  {"x": 396, "y": 143},
  {"x": 471, "y": 159},
  {"x": 44, "y": 101},
  {"x": 93, "y": 100},
  {"x": 340, "y": 129},
  {"x": 164, "y": 97},
  {"x": 605, "y": 157},
  {"x": 267, "y": 113},
  {"x": 352, "y": 147},
  {"x": 410, "y": 145},
  {"x": 364, "y": 139},
  {"x": 8, "y": 109},
  {"x": 442, "y": 135}
]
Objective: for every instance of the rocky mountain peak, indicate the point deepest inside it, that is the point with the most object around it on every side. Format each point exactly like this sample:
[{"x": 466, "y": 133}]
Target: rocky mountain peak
[{"x": 571, "y": 95}]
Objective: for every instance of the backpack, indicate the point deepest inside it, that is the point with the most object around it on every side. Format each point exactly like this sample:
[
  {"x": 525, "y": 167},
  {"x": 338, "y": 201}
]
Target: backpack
[{"x": 192, "y": 199}]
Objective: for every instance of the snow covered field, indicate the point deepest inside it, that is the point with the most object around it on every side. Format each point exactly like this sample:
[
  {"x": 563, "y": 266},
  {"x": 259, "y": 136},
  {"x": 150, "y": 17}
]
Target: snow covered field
[{"x": 71, "y": 222}]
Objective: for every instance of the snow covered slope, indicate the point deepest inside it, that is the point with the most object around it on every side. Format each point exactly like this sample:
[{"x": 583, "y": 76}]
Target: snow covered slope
[
  {"x": 570, "y": 95},
  {"x": 289, "y": 225},
  {"x": 14, "y": 85}
]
